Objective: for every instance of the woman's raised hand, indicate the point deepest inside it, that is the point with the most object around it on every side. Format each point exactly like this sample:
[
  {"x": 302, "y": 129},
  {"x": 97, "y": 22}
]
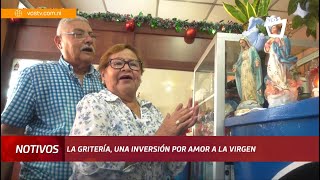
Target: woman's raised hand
[{"x": 179, "y": 121}]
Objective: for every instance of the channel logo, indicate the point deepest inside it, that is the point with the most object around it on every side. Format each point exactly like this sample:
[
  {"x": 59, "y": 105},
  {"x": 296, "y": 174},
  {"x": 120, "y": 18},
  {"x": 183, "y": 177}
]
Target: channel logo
[{"x": 18, "y": 13}]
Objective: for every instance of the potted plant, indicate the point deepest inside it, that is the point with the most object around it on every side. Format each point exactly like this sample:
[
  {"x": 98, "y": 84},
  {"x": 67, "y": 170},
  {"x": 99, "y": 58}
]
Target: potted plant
[
  {"x": 305, "y": 14},
  {"x": 252, "y": 15},
  {"x": 243, "y": 9}
]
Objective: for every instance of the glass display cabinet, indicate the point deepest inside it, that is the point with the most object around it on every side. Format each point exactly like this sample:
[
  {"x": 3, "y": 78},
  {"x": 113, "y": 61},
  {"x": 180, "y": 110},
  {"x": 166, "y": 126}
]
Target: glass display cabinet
[{"x": 212, "y": 75}]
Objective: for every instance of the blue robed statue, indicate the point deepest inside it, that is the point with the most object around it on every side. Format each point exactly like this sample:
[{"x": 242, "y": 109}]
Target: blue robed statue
[{"x": 248, "y": 74}]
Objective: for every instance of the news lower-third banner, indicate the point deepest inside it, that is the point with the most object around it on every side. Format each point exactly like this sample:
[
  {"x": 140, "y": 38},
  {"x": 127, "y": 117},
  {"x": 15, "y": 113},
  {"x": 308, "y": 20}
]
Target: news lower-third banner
[{"x": 160, "y": 148}]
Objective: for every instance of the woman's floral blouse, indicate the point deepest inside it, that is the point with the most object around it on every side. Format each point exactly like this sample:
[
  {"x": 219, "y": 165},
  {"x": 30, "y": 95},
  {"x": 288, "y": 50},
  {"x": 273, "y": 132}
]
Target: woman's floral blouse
[{"x": 104, "y": 114}]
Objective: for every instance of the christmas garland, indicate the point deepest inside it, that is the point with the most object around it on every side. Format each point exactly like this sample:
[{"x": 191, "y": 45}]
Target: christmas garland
[{"x": 177, "y": 24}]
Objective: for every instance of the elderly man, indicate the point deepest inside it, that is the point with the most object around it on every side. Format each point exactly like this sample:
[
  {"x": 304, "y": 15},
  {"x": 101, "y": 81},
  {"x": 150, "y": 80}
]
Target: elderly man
[{"x": 44, "y": 101}]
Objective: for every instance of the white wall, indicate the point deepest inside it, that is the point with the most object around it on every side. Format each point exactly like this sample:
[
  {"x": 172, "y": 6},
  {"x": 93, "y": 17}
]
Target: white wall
[{"x": 166, "y": 88}]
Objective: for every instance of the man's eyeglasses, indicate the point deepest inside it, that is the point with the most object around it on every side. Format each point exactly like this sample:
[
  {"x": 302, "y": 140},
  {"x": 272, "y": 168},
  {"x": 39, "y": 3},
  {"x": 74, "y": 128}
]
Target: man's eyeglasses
[
  {"x": 81, "y": 34},
  {"x": 119, "y": 64}
]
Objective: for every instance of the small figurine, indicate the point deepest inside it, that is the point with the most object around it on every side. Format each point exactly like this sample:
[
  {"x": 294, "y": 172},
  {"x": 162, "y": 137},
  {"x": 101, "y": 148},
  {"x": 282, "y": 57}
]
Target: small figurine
[
  {"x": 280, "y": 89},
  {"x": 249, "y": 79}
]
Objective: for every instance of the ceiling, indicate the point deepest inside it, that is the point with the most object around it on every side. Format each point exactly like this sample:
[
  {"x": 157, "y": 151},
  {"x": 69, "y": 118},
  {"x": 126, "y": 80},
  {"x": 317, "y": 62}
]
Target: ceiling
[
  {"x": 208, "y": 10},
  {"x": 191, "y": 10},
  {"x": 198, "y": 10}
]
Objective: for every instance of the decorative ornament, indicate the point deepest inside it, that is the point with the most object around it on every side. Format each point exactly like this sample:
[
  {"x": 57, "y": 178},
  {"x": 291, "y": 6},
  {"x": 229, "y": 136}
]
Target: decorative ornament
[
  {"x": 159, "y": 23},
  {"x": 14, "y": 20},
  {"x": 190, "y": 35},
  {"x": 178, "y": 27},
  {"x": 223, "y": 28},
  {"x": 300, "y": 12},
  {"x": 213, "y": 31},
  {"x": 130, "y": 25},
  {"x": 188, "y": 41},
  {"x": 154, "y": 24}
]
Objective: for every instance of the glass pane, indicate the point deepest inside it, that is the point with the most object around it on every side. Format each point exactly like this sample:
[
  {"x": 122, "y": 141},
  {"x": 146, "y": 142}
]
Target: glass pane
[
  {"x": 204, "y": 84},
  {"x": 204, "y": 77},
  {"x": 232, "y": 98},
  {"x": 232, "y": 54},
  {"x": 308, "y": 61},
  {"x": 205, "y": 125}
]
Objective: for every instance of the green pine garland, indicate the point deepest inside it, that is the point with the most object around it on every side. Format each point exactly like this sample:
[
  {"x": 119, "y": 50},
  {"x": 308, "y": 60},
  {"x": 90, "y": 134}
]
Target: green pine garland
[{"x": 177, "y": 24}]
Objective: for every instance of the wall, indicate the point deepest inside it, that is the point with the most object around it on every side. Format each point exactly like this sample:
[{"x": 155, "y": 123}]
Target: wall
[
  {"x": 3, "y": 32},
  {"x": 46, "y": 3},
  {"x": 166, "y": 88},
  {"x": 4, "y": 28},
  {"x": 174, "y": 53},
  {"x": 33, "y": 39},
  {"x": 4, "y": 22}
]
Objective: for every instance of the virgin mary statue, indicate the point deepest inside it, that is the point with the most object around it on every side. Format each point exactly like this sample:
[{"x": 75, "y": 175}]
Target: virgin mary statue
[{"x": 248, "y": 75}]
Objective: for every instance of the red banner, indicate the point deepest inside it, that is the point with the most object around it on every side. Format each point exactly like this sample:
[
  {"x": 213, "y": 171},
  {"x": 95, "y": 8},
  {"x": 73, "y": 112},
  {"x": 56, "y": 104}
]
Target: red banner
[
  {"x": 160, "y": 148},
  {"x": 32, "y": 148}
]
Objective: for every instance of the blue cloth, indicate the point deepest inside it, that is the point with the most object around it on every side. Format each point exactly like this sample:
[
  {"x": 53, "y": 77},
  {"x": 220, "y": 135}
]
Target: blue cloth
[
  {"x": 283, "y": 52},
  {"x": 256, "y": 39},
  {"x": 44, "y": 101}
]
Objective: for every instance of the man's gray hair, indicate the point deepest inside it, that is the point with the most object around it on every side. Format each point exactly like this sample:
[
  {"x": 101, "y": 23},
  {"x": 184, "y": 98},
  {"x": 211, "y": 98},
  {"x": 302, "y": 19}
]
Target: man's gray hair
[{"x": 68, "y": 20}]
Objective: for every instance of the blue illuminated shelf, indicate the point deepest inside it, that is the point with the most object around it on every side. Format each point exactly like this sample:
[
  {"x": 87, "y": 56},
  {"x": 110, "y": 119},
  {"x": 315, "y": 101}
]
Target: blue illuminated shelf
[{"x": 295, "y": 119}]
